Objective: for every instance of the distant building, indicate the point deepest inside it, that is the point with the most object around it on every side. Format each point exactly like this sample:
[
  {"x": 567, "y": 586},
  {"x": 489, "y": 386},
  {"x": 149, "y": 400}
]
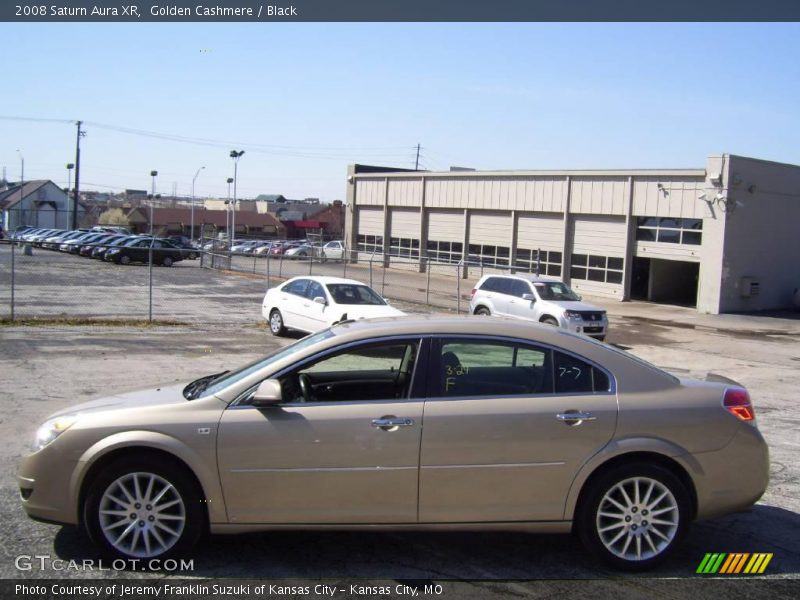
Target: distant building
[
  {"x": 721, "y": 237},
  {"x": 39, "y": 203},
  {"x": 169, "y": 221}
]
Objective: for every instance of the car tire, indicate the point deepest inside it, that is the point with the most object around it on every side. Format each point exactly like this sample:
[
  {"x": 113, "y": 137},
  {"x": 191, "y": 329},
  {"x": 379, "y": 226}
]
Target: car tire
[
  {"x": 166, "y": 261},
  {"x": 601, "y": 338},
  {"x": 482, "y": 311},
  {"x": 276, "y": 326},
  {"x": 550, "y": 321},
  {"x": 613, "y": 516},
  {"x": 192, "y": 255},
  {"x": 124, "y": 259},
  {"x": 131, "y": 482}
]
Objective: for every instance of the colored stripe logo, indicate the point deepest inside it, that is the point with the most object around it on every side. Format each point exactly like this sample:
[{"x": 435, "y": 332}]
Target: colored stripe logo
[{"x": 734, "y": 563}]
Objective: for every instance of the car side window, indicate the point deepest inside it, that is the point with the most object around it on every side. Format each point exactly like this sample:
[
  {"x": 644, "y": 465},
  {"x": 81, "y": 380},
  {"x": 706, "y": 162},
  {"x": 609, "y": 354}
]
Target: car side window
[
  {"x": 489, "y": 368},
  {"x": 297, "y": 287},
  {"x": 381, "y": 371},
  {"x": 314, "y": 290},
  {"x": 575, "y": 376},
  {"x": 519, "y": 288}
]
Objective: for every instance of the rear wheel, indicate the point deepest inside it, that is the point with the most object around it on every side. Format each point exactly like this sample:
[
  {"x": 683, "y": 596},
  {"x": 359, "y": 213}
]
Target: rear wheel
[
  {"x": 166, "y": 261},
  {"x": 483, "y": 311},
  {"x": 140, "y": 509},
  {"x": 124, "y": 259},
  {"x": 634, "y": 515},
  {"x": 276, "y": 322}
]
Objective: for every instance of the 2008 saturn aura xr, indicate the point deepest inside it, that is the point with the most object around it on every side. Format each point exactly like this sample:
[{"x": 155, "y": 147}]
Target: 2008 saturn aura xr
[{"x": 407, "y": 423}]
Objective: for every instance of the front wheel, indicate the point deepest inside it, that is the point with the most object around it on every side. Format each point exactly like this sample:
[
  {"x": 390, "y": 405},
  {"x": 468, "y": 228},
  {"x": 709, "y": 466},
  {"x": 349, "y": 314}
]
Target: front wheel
[
  {"x": 550, "y": 321},
  {"x": 166, "y": 261},
  {"x": 276, "y": 322},
  {"x": 634, "y": 515},
  {"x": 144, "y": 510}
]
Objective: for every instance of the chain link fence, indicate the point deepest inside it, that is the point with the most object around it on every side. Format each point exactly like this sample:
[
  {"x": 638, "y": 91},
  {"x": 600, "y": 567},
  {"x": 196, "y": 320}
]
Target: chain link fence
[{"x": 222, "y": 283}]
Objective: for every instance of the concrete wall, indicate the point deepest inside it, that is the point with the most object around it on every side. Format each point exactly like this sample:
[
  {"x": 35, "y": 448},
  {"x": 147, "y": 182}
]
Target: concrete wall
[{"x": 762, "y": 237}]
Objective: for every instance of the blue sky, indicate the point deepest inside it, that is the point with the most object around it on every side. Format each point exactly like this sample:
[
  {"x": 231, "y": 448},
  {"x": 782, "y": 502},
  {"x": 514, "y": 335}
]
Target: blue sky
[{"x": 304, "y": 100}]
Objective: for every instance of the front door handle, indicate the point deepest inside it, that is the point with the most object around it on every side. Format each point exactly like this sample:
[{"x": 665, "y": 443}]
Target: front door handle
[
  {"x": 392, "y": 423},
  {"x": 575, "y": 417}
]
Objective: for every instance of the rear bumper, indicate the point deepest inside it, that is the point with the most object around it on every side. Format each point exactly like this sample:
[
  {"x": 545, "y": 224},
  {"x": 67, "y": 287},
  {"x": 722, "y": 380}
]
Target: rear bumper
[{"x": 733, "y": 478}]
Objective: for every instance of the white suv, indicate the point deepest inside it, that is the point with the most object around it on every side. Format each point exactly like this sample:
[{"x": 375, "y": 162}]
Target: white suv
[{"x": 540, "y": 299}]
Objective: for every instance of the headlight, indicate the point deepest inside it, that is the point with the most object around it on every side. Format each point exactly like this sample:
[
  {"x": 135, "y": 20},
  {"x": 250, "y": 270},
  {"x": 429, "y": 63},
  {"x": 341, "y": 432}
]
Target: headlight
[
  {"x": 51, "y": 429},
  {"x": 573, "y": 315}
]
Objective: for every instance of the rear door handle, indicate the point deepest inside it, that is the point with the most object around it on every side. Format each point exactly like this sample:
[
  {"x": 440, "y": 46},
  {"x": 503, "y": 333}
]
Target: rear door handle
[
  {"x": 390, "y": 423},
  {"x": 575, "y": 416}
]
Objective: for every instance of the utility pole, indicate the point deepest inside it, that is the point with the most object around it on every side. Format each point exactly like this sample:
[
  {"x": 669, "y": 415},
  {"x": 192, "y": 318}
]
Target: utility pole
[
  {"x": 75, "y": 196},
  {"x": 416, "y": 164}
]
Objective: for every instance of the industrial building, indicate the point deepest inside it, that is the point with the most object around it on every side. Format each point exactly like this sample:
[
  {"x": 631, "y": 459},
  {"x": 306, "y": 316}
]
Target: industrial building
[{"x": 722, "y": 238}]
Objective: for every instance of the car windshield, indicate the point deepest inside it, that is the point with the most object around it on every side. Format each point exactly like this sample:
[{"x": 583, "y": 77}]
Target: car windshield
[
  {"x": 555, "y": 290},
  {"x": 348, "y": 293},
  {"x": 219, "y": 383}
]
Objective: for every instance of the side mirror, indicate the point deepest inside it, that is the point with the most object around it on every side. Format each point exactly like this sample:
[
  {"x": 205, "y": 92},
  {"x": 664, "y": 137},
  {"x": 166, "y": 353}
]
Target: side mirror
[
  {"x": 268, "y": 393},
  {"x": 320, "y": 300},
  {"x": 529, "y": 297}
]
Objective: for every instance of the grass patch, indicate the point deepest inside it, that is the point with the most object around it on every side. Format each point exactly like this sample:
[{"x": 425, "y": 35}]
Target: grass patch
[{"x": 80, "y": 322}]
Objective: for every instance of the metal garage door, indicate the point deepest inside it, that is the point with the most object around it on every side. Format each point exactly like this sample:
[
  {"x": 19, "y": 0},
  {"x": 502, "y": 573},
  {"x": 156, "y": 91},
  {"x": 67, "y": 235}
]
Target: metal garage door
[
  {"x": 540, "y": 243},
  {"x": 489, "y": 238},
  {"x": 445, "y": 236},
  {"x": 370, "y": 230},
  {"x": 598, "y": 251},
  {"x": 404, "y": 237}
]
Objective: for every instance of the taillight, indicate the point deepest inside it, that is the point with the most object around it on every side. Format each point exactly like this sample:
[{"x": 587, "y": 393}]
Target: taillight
[
  {"x": 737, "y": 402},
  {"x": 472, "y": 293}
]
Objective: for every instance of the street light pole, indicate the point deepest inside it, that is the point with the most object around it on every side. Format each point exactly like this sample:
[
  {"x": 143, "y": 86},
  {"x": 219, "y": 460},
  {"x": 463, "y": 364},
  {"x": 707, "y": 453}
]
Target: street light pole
[
  {"x": 70, "y": 166},
  {"x": 153, "y": 174},
  {"x": 235, "y": 155},
  {"x": 193, "y": 180}
]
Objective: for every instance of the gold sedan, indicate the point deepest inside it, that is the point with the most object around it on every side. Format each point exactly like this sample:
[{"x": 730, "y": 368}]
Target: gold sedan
[{"x": 407, "y": 423}]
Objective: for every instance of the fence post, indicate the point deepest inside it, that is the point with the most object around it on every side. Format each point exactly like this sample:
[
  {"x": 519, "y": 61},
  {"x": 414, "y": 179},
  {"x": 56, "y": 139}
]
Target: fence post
[
  {"x": 383, "y": 276},
  {"x": 344, "y": 262},
  {"x": 428, "y": 278},
  {"x": 458, "y": 288},
  {"x": 370, "y": 267},
  {"x": 13, "y": 272},
  {"x": 311, "y": 261},
  {"x": 202, "y": 244},
  {"x": 150, "y": 274},
  {"x": 280, "y": 265}
]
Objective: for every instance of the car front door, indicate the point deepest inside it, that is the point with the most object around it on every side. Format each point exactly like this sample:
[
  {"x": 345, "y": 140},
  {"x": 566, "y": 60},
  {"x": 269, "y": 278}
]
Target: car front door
[
  {"x": 499, "y": 443},
  {"x": 520, "y": 304},
  {"x": 291, "y": 300},
  {"x": 315, "y": 313},
  {"x": 346, "y": 451}
]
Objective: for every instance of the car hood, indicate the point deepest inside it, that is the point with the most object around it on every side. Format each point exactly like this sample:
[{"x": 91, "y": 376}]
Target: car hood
[
  {"x": 575, "y": 305},
  {"x": 172, "y": 394},
  {"x": 357, "y": 311}
]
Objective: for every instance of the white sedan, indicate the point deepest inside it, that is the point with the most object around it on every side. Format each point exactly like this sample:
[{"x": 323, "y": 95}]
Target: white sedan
[{"x": 314, "y": 303}]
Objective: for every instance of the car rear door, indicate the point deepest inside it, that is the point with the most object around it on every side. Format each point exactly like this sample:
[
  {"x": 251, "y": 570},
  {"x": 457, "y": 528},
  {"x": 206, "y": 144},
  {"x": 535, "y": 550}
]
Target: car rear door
[{"x": 503, "y": 436}]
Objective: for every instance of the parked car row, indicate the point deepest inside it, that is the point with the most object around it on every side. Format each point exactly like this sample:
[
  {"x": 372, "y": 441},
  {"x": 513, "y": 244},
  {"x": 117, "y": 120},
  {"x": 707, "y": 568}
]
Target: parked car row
[
  {"x": 110, "y": 244},
  {"x": 289, "y": 249}
]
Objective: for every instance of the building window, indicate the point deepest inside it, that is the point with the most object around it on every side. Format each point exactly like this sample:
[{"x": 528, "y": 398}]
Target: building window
[
  {"x": 546, "y": 262},
  {"x": 668, "y": 230},
  {"x": 370, "y": 243},
  {"x": 592, "y": 267},
  {"x": 446, "y": 252},
  {"x": 406, "y": 247},
  {"x": 491, "y": 256}
]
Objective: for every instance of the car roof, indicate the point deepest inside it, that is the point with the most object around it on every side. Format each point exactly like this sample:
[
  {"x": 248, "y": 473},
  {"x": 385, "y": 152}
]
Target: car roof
[
  {"x": 527, "y": 277},
  {"x": 326, "y": 280}
]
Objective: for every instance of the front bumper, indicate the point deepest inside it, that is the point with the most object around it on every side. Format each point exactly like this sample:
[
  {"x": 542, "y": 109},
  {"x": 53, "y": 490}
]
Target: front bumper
[
  {"x": 595, "y": 329},
  {"x": 45, "y": 484}
]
